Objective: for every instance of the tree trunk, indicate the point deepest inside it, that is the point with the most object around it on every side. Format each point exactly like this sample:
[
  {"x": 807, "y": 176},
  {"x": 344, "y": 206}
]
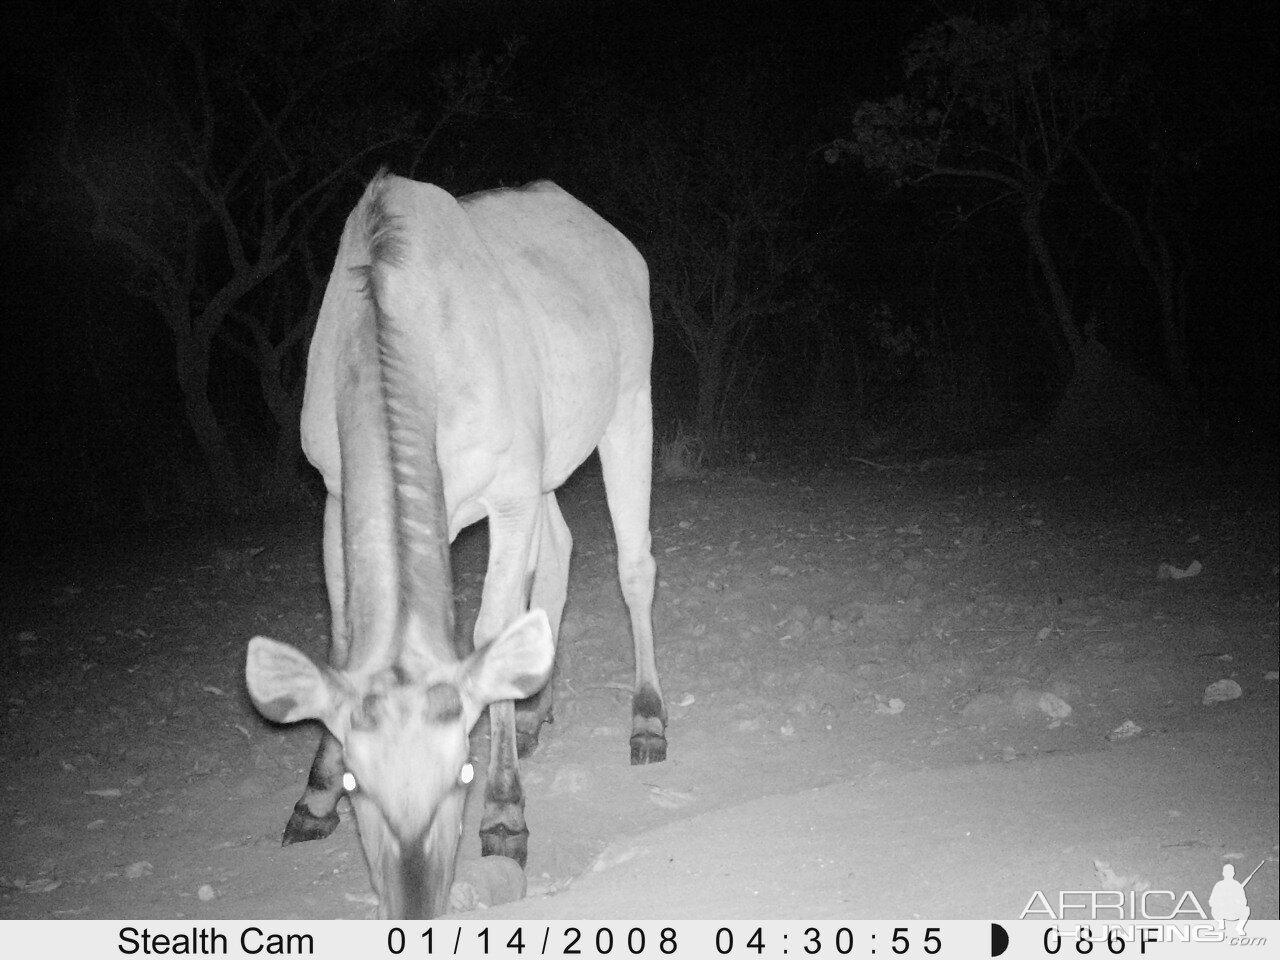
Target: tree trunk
[
  {"x": 1164, "y": 275},
  {"x": 1057, "y": 294},
  {"x": 1047, "y": 321},
  {"x": 710, "y": 362},
  {"x": 284, "y": 466},
  {"x": 193, "y": 379},
  {"x": 285, "y": 404}
]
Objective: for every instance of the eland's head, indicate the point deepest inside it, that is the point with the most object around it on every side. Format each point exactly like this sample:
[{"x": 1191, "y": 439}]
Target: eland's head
[{"x": 404, "y": 734}]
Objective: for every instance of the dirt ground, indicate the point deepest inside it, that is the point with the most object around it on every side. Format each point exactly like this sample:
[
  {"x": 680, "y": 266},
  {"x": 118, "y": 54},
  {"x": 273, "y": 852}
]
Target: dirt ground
[{"x": 924, "y": 690}]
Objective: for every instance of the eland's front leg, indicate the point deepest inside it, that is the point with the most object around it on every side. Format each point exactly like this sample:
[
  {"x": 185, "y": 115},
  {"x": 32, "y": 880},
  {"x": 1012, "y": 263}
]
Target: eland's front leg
[
  {"x": 512, "y": 528},
  {"x": 550, "y": 571},
  {"x": 315, "y": 815}
]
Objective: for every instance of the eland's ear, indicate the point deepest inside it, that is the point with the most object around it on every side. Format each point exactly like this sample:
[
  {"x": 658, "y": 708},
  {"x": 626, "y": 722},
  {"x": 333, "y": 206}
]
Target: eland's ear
[
  {"x": 286, "y": 686},
  {"x": 515, "y": 665}
]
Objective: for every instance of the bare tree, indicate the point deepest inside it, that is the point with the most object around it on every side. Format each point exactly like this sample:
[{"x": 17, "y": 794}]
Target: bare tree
[
  {"x": 718, "y": 214},
  {"x": 250, "y": 128},
  {"x": 1002, "y": 105}
]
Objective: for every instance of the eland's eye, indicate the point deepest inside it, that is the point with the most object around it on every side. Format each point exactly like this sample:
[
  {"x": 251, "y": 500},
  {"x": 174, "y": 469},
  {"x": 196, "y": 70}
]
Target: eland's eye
[
  {"x": 466, "y": 774},
  {"x": 349, "y": 782}
]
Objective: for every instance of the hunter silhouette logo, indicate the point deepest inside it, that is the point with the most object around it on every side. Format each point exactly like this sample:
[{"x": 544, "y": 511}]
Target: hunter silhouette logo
[{"x": 1228, "y": 900}]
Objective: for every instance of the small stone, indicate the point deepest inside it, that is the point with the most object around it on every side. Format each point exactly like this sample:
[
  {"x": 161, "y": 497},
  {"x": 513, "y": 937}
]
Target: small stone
[
  {"x": 138, "y": 870},
  {"x": 486, "y": 882},
  {"x": 1026, "y": 702},
  {"x": 1167, "y": 571},
  {"x": 1125, "y": 731},
  {"x": 1221, "y": 691},
  {"x": 1053, "y": 706}
]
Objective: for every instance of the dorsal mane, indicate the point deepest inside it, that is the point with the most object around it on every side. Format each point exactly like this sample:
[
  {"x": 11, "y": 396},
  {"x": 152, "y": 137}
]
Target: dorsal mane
[{"x": 426, "y": 617}]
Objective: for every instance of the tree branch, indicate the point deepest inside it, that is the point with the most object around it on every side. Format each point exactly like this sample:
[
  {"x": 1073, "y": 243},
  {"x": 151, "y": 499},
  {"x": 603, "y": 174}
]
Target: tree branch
[{"x": 1015, "y": 186}]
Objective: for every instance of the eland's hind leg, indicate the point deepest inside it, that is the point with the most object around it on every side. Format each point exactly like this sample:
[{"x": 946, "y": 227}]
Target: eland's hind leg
[
  {"x": 626, "y": 456},
  {"x": 550, "y": 586}
]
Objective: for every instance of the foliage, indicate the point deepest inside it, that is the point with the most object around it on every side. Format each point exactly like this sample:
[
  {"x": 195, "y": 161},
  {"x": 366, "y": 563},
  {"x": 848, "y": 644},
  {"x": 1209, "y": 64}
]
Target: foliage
[
  {"x": 1059, "y": 104},
  {"x": 680, "y": 454},
  {"x": 1011, "y": 112},
  {"x": 996, "y": 99}
]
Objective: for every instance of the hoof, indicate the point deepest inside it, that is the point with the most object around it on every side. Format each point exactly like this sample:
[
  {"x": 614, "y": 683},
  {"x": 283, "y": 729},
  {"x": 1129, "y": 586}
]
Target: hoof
[
  {"x": 527, "y": 741},
  {"x": 499, "y": 841},
  {"x": 648, "y": 727},
  {"x": 528, "y": 730},
  {"x": 305, "y": 825},
  {"x": 648, "y": 748},
  {"x": 531, "y": 714}
]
